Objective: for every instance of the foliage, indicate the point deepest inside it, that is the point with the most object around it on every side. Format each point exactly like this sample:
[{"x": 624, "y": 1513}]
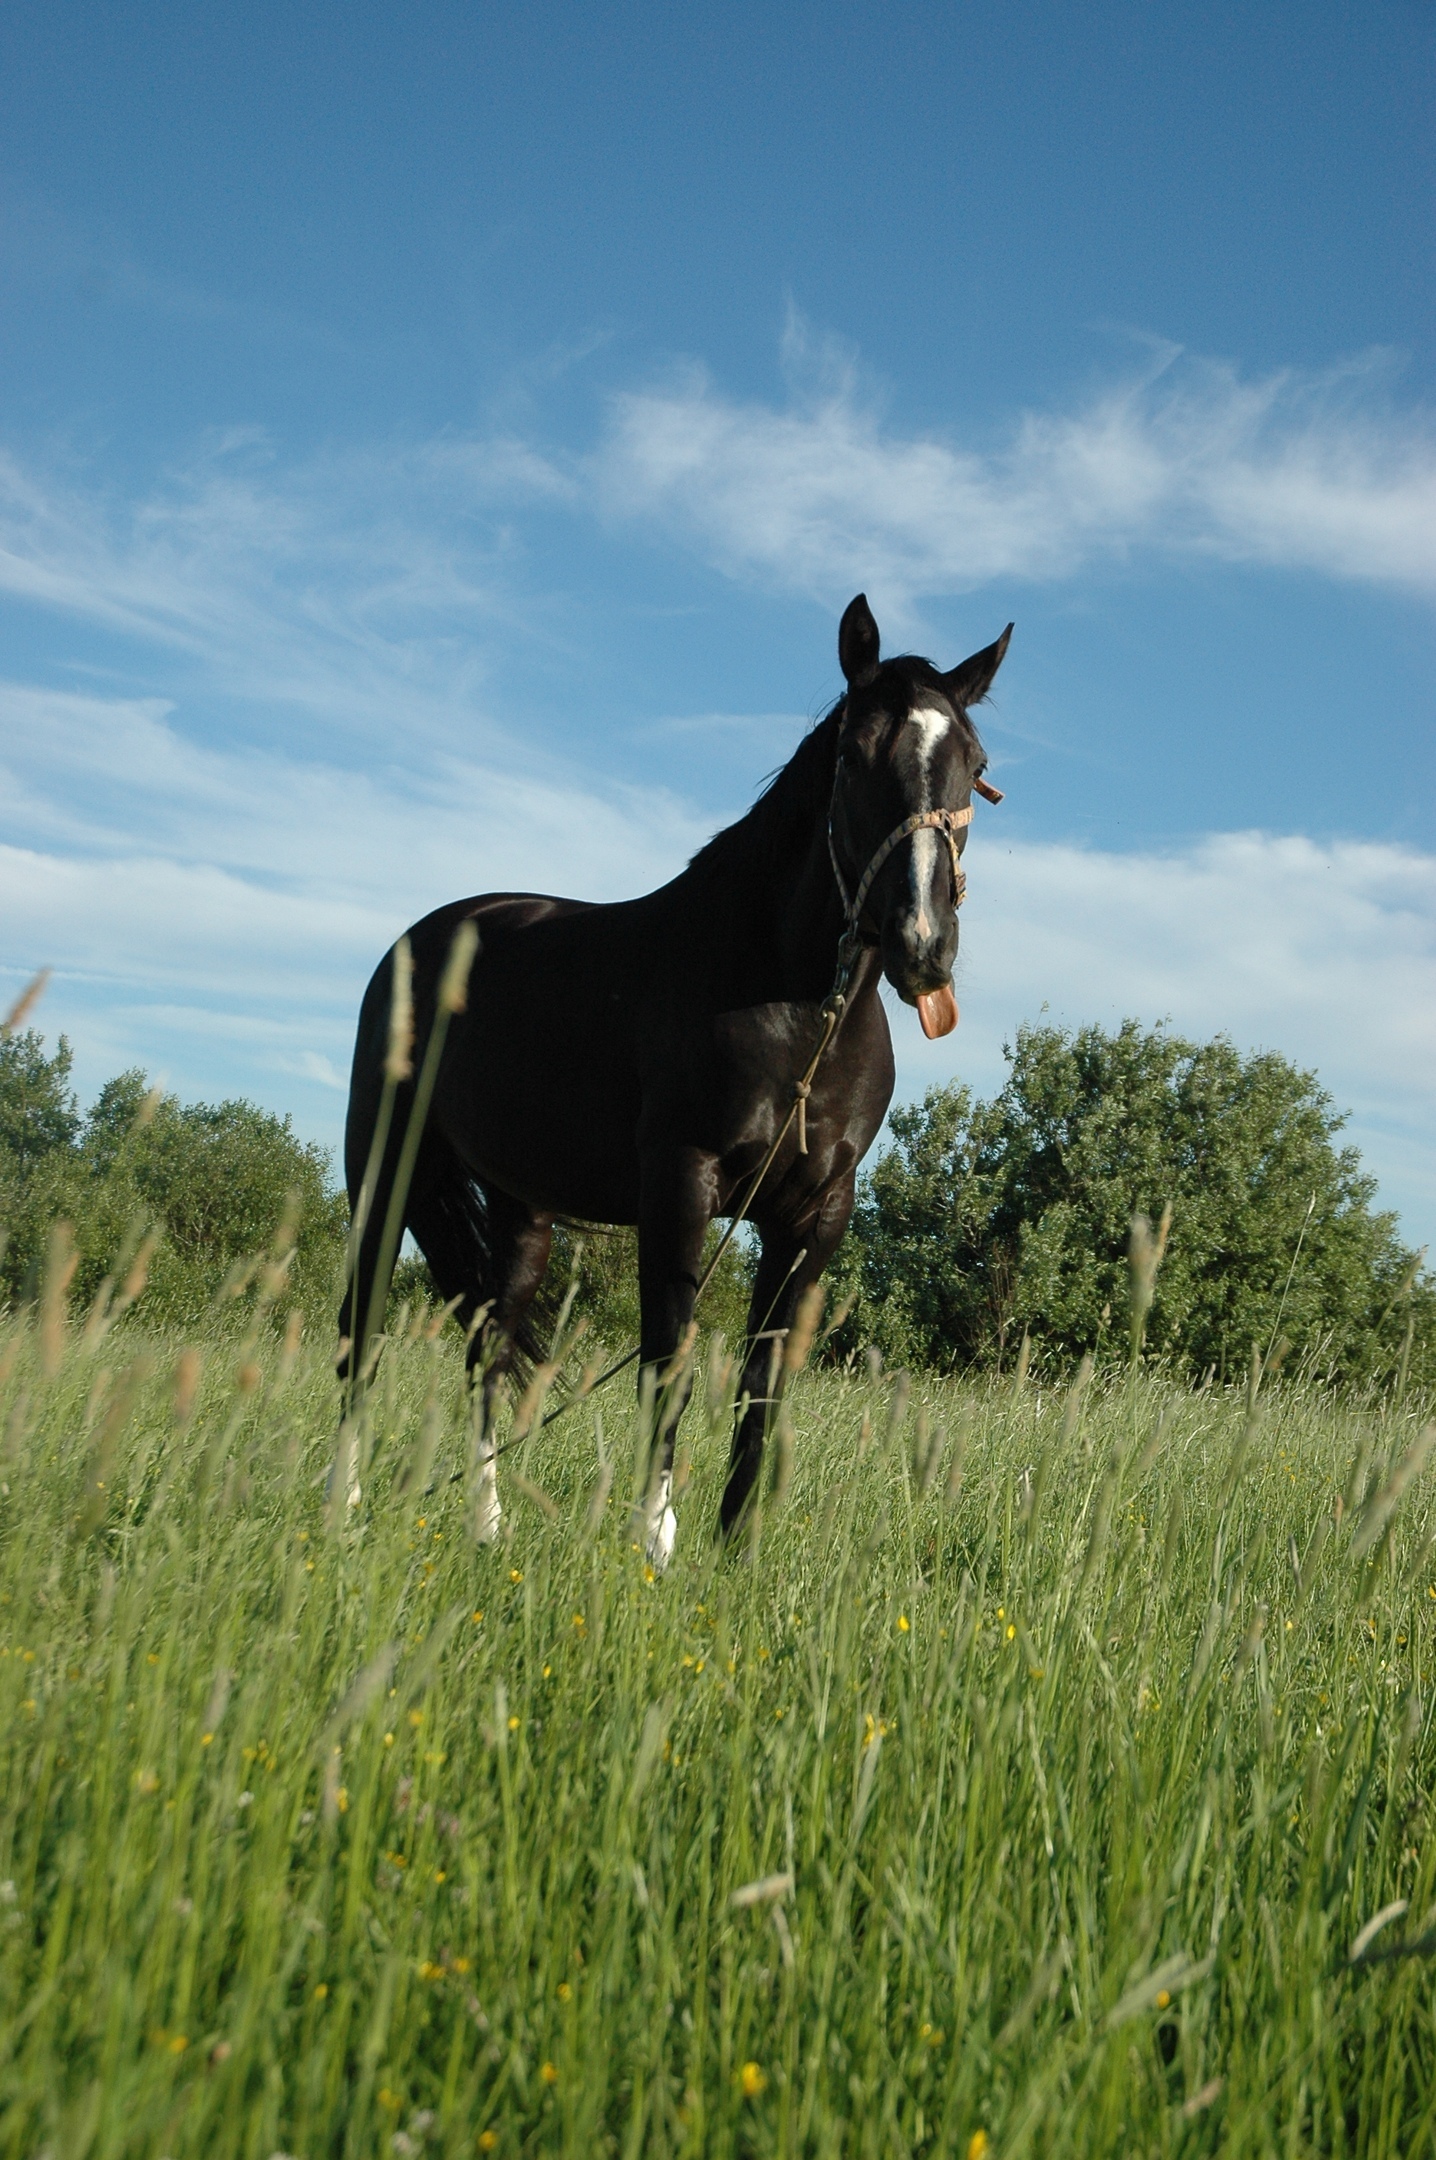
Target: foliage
[
  {"x": 1018, "y": 1784},
  {"x": 987, "y": 1219},
  {"x": 213, "y": 1181}
]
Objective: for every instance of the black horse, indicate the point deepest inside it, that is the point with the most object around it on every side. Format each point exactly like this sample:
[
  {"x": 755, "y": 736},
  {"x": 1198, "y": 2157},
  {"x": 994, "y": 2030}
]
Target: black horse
[{"x": 634, "y": 1063}]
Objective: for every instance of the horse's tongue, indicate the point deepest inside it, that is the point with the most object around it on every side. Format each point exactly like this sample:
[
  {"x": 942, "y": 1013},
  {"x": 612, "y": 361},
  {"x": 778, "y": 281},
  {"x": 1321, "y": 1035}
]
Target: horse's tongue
[{"x": 937, "y": 1010}]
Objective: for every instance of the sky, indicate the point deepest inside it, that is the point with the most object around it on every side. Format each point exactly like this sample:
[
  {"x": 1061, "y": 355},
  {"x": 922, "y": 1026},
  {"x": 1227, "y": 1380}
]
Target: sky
[{"x": 436, "y": 446}]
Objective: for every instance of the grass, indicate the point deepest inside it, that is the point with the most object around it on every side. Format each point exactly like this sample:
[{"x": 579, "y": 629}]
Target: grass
[{"x": 1022, "y": 1787}]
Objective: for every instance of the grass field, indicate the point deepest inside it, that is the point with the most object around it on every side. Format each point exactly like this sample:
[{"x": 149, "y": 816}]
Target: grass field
[{"x": 1021, "y": 1788}]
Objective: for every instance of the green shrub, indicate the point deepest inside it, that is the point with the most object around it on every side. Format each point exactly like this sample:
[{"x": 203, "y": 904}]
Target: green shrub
[{"x": 985, "y": 1220}]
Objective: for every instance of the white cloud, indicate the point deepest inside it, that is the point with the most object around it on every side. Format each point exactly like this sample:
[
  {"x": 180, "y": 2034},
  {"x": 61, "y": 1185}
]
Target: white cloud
[
  {"x": 1325, "y": 954},
  {"x": 357, "y": 582},
  {"x": 1307, "y": 472},
  {"x": 216, "y": 914},
  {"x": 347, "y": 588}
]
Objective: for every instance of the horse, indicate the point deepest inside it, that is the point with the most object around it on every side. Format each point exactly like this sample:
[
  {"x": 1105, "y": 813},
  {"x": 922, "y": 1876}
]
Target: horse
[{"x": 636, "y": 1062}]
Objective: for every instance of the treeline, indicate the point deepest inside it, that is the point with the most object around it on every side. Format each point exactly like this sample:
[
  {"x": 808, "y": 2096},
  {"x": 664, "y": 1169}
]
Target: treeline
[
  {"x": 196, "y": 1191},
  {"x": 189, "y": 1191},
  {"x": 983, "y": 1224},
  {"x": 988, "y": 1222}
]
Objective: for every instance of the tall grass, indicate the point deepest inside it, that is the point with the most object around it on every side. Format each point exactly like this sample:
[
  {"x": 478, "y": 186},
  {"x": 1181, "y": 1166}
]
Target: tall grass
[{"x": 1023, "y": 1785}]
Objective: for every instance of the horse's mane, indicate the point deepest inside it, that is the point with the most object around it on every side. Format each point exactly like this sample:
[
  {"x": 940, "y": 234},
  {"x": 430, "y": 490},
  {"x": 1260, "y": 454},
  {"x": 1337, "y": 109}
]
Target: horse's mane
[{"x": 780, "y": 822}]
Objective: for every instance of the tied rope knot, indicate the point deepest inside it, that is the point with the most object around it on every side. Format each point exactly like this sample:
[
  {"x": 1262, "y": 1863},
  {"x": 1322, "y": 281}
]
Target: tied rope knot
[{"x": 802, "y": 1089}]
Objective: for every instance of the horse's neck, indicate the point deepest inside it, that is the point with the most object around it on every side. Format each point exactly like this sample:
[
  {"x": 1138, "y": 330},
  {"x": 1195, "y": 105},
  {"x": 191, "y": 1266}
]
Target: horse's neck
[
  {"x": 769, "y": 921},
  {"x": 804, "y": 916}
]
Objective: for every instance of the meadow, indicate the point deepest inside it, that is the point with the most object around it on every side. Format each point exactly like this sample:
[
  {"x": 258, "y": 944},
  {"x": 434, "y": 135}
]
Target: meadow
[{"x": 1049, "y": 1772}]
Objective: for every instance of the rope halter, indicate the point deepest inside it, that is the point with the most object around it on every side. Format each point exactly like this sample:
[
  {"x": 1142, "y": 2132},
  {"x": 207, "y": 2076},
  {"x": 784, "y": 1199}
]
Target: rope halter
[{"x": 948, "y": 822}]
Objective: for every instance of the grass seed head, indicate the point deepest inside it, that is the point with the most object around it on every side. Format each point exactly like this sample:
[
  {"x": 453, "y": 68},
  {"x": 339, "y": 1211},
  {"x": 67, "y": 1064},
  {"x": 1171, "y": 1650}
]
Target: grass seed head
[{"x": 399, "y": 1055}]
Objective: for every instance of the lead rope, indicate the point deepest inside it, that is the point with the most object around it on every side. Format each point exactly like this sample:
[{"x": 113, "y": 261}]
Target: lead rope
[{"x": 950, "y": 823}]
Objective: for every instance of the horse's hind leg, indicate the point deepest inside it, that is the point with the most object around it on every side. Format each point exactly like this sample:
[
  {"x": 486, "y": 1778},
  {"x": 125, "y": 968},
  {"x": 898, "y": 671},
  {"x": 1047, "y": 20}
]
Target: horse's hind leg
[
  {"x": 519, "y": 1256},
  {"x": 675, "y": 1210}
]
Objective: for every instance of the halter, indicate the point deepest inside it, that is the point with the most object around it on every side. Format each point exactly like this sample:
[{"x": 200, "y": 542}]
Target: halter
[{"x": 948, "y": 822}]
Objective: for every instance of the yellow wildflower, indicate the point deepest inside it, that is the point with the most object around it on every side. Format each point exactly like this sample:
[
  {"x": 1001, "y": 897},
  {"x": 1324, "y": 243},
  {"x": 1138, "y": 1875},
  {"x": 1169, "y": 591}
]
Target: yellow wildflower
[{"x": 753, "y": 2080}]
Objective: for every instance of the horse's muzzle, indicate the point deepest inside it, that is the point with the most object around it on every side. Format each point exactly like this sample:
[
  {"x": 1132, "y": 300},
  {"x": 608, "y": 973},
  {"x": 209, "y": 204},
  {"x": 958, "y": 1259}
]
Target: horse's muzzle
[{"x": 918, "y": 962}]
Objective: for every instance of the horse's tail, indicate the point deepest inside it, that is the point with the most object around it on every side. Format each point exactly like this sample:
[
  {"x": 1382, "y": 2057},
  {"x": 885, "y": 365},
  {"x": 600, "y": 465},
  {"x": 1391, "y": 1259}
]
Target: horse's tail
[{"x": 457, "y": 1225}]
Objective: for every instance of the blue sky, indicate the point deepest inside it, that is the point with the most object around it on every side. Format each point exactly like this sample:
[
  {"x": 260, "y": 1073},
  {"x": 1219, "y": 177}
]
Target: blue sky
[{"x": 436, "y": 445}]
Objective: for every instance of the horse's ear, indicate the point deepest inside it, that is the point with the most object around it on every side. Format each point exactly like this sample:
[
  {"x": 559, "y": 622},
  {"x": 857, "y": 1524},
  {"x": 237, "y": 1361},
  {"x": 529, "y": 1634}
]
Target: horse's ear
[
  {"x": 966, "y": 684},
  {"x": 858, "y": 643}
]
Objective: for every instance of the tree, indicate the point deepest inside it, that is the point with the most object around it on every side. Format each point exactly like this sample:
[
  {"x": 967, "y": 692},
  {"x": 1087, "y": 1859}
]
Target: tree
[
  {"x": 985, "y": 1219},
  {"x": 38, "y": 1111},
  {"x": 213, "y": 1181}
]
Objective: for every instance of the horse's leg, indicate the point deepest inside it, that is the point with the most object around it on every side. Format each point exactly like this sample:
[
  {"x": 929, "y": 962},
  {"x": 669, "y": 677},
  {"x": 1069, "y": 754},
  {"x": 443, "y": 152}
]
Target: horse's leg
[
  {"x": 789, "y": 1263},
  {"x": 675, "y": 1209},
  {"x": 522, "y": 1241}
]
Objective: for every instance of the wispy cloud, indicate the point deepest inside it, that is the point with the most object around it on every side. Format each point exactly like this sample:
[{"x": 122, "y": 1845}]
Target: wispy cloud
[
  {"x": 340, "y": 583},
  {"x": 219, "y": 911},
  {"x": 344, "y": 587},
  {"x": 216, "y": 913},
  {"x": 1310, "y": 472}
]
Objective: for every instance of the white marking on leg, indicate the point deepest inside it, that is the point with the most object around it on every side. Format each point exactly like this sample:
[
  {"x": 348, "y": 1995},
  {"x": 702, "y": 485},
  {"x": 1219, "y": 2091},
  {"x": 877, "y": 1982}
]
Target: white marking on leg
[
  {"x": 488, "y": 1516},
  {"x": 344, "y": 1470},
  {"x": 662, "y": 1523}
]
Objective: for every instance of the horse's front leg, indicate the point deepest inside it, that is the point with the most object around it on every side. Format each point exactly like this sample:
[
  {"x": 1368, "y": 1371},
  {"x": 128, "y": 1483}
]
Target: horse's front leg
[
  {"x": 679, "y": 1193},
  {"x": 790, "y": 1262}
]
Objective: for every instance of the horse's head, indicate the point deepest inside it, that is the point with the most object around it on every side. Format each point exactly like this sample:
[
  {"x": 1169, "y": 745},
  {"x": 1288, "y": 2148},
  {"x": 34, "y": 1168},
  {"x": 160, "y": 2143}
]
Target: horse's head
[{"x": 906, "y": 750}]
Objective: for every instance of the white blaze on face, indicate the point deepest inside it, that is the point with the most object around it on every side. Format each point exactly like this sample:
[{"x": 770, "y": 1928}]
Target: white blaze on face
[{"x": 932, "y": 727}]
